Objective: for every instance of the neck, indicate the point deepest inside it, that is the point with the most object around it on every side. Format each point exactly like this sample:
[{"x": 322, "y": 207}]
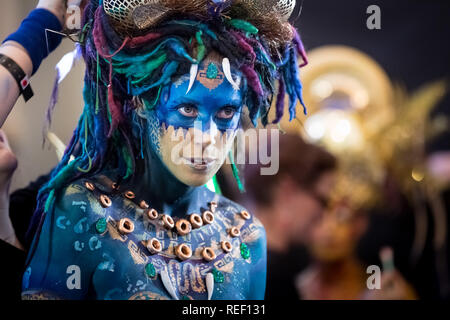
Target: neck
[
  {"x": 162, "y": 189},
  {"x": 337, "y": 270}
]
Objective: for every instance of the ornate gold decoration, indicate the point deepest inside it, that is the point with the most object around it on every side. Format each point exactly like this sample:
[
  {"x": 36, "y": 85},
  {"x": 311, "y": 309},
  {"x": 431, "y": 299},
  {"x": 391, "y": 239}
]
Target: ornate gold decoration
[{"x": 373, "y": 127}]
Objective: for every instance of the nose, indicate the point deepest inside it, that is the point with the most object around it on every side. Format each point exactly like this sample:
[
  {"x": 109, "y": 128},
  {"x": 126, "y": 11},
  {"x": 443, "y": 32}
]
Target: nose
[{"x": 207, "y": 133}]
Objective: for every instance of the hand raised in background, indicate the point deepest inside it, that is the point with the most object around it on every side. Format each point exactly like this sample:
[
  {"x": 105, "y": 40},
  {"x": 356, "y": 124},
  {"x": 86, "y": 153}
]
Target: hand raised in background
[
  {"x": 393, "y": 285},
  {"x": 59, "y": 7},
  {"x": 8, "y": 164}
]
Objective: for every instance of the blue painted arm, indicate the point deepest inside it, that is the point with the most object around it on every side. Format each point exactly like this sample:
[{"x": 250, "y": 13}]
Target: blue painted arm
[
  {"x": 64, "y": 256},
  {"x": 258, "y": 272}
]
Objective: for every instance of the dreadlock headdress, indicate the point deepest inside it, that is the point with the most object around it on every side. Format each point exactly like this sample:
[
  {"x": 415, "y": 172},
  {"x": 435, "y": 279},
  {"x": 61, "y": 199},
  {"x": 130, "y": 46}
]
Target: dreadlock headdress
[{"x": 133, "y": 48}]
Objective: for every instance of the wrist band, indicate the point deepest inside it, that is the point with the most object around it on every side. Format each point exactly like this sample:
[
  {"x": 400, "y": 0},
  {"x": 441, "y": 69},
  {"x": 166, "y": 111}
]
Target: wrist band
[
  {"x": 21, "y": 78},
  {"x": 34, "y": 38}
]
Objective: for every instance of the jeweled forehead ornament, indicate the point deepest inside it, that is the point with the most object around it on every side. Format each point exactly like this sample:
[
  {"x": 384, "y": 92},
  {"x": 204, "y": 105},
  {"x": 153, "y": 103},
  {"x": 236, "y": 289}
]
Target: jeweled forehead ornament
[{"x": 211, "y": 76}]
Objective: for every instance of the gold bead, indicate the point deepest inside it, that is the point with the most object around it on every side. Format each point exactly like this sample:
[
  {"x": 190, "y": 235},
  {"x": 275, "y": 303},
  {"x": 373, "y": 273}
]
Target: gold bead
[
  {"x": 130, "y": 195},
  {"x": 168, "y": 222},
  {"x": 126, "y": 226},
  {"x": 105, "y": 201},
  {"x": 226, "y": 246},
  {"x": 196, "y": 221},
  {"x": 208, "y": 254},
  {"x": 114, "y": 186},
  {"x": 235, "y": 232},
  {"x": 153, "y": 246},
  {"x": 245, "y": 215},
  {"x": 183, "y": 251},
  {"x": 208, "y": 217},
  {"x": 183, "y": 227},
  {"x": 89, "y": 185},
  {"x": 152, "y": 214}
]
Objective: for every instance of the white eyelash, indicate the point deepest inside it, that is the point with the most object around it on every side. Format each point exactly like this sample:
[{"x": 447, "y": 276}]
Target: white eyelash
[
  {"x": 227, "y": 70},
  {"x": 193, "y": 76}
]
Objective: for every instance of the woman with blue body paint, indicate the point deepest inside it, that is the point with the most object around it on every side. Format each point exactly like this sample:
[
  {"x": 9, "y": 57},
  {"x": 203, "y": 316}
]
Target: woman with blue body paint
[{"x": 125, "y": 214}]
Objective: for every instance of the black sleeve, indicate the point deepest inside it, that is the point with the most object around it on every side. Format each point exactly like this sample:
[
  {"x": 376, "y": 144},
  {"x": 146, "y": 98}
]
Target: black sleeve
[
  {"x": 12, "y": 269},
  {"x": 22, "y": 206}
]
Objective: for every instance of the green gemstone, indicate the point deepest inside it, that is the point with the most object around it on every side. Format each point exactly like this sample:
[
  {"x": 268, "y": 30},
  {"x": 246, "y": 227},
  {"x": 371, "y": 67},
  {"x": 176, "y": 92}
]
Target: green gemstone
[
  {"x": 185, "y": 298},
  {"x": 218, "y": 276},
  {"x": 150, "y": 270},
  {"x": 212, "y": 71},
  {"x": 245, "y": 251},
  {"x": 101, "y": 225}
]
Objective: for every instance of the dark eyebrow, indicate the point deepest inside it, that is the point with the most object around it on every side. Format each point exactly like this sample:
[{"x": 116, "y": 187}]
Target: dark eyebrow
[
  {"x": 230, "y": 105},
  {"x": 186, "y": 100}
]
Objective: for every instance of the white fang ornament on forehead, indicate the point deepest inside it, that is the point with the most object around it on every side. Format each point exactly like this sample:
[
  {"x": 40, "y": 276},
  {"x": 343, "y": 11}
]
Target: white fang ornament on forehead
[
  {"x": 227, "y": 71},
  {"x": 192, "y": 76}
]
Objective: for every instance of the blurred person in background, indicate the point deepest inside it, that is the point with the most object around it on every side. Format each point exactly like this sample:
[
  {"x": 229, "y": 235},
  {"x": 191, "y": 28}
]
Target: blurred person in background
[
  {"x": 287, "y": 204},
  {"x": 17, "y": 209},
  {"x": 10, "y": 246},
  {"x": 8, "y": 164},
  {"x": 414, "y": 237},
  {"x": 336, "y": 273}
]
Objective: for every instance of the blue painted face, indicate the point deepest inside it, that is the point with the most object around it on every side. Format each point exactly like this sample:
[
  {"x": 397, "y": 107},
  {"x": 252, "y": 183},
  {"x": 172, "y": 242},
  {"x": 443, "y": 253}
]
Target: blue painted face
[
  {"x": 209, "y": 115},
  {"x": 212, "y": 101}
]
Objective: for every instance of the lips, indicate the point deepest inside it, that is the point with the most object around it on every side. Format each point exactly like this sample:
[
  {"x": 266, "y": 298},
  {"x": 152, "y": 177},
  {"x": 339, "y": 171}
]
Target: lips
[{"x": 201, "y": 164}]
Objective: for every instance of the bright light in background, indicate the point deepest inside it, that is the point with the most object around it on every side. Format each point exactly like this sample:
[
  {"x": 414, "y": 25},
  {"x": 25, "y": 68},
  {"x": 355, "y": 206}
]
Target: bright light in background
[
  {"x": 418, "y": 175},
  {"x": 315, "y": 127},
  {"x": 360, "y": 99},
  {"x": 336, "y": 129},
  {"x": 341, "y": 131},
  {"x": 322, "y": 89}
]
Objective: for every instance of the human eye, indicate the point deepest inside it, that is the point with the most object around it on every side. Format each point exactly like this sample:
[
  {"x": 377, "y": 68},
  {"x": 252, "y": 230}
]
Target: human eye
[
  {"x": 226, "y": 113},
  {"x": 188, "y": 110}
]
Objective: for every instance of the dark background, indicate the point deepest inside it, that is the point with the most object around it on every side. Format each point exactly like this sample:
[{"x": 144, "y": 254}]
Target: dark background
[{"x": 413, "y": 45}]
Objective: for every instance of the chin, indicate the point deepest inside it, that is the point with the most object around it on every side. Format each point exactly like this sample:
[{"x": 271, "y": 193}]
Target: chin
[
  {"x": 193, "y": 177},
  {"x": 327, "y": 255}
]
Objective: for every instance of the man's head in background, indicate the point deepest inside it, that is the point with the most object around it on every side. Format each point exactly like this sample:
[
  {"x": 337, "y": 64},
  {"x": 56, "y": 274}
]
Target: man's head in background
[{"x": 290, "y": 201}]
